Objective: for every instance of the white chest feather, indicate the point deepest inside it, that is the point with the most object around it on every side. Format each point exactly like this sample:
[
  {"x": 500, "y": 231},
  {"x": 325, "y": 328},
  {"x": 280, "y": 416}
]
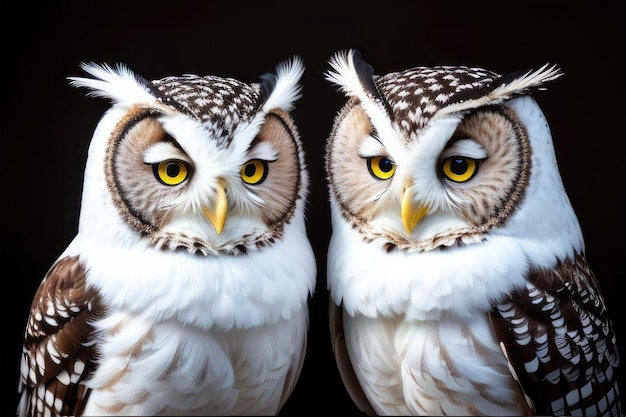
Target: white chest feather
[
  {"x": 167, "y": 368},
  {"x": 439, "y": 367}
]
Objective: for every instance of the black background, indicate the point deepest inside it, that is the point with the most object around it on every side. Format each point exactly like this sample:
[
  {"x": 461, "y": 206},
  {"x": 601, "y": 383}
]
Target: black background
[{"x": 47, "y": 125}]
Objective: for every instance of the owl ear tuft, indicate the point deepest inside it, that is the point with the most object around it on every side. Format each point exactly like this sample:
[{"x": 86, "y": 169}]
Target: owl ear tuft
[
  {"x": 355, "y": 78},
  {"x": 282, "y": 89},
  {"x": 504, "y": 88},
  {"x": 119, "y": 84},
  {"x": 352, "y": 74},
  {"x": 365, "y": 73},
  {"x": 519, "y": 82}
]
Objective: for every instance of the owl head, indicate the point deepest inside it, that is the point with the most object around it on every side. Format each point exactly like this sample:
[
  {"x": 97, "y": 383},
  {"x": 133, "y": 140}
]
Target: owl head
[
  {"x": 205, "y": 164},
  {"x": 433, "y": 157}
]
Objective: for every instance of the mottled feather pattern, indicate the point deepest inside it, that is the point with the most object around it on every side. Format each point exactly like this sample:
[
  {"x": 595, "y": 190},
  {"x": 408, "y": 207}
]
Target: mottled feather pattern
[
  {"x": 219, "y": 103},
  {"x": 559, "y": 338},
  {"x": 416, "y": 94},
  {"x": 59, "y": 349}
]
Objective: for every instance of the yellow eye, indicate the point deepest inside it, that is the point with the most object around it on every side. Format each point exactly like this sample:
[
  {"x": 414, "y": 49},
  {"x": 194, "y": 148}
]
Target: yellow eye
[
  {"x": 254, "y": 171},
  {"x": 459, "y": 168},
  {"x": 381, "y": 167},
  {"x": 171, "y": 172}
]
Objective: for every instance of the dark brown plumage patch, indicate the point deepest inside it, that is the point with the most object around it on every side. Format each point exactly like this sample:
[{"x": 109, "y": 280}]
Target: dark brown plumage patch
[
  {"x": 59, "y": 350},
  {"x": 560, "y": 341},
  {"x": 389, "y": 246}
]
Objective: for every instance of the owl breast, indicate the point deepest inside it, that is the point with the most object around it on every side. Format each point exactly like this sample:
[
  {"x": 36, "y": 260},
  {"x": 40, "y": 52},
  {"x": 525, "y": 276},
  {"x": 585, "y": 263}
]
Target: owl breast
[
  {"x": 189, "y": 334},
  {"x": 448, "y": 367},
  {"x": 170, "y": 368}
]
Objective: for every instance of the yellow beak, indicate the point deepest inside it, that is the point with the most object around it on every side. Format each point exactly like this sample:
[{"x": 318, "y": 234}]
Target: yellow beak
[
  {"x": 218, "y": 214},
  {"x": 411, "y": 213}
]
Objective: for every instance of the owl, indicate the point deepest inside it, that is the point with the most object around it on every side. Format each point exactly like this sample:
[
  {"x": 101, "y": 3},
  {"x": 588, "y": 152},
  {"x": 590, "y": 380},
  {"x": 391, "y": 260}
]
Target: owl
[
  {"x": 186, "y": 287},
  {"x": 456, "y": 266}
]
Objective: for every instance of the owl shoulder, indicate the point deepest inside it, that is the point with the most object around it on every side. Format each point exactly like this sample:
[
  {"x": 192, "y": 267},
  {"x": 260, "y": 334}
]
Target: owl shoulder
[
  {"x": 559, "y": 338},
  {"x": 58, "y": 344}
]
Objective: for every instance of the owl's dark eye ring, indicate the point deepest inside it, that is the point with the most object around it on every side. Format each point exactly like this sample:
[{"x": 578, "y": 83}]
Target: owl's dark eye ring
[
  {"x": 171, "y": 172},
  {"x": 381, "y": 167},
  {"x": 459, "y": 168},
  {"x": 254, "y": 171}
]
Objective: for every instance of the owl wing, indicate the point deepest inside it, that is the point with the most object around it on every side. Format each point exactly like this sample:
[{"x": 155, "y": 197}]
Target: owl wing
[
  {"x": 58, "y": 345},
  {"x": 344, "y": 365},
  {"x": 559, "y": 341}
]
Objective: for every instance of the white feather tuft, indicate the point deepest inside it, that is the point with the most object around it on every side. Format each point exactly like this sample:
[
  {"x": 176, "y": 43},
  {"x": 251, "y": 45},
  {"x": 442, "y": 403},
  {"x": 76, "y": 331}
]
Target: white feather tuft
[
  {"x": 287, "y": 89},
  {"x": 528, "y": 80},
  {"x": 345, "y": 74},
  {"x": 506, "y": 91},
  {"x": 118, "y": 84}
]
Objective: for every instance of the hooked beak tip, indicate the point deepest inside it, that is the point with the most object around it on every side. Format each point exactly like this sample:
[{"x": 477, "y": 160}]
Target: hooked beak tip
[
  {"x": 217, "y": 215},
  {"x": 411, "y": 214}
]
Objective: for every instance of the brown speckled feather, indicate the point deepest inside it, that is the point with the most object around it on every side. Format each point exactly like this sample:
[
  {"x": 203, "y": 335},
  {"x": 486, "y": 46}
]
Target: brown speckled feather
[
  {"x": 59, "y": 343},
  {"x": 344, "y": 365},
  {"x": 559, "y": 340}
]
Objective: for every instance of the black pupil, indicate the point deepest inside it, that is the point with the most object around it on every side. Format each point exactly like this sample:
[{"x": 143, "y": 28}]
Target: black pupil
[
  {"x": 385, "y": 165},
  {"x": 173, "y": 170},
  {"x": 458, "y": 166},
  {"x": 250, "y": 170}
]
